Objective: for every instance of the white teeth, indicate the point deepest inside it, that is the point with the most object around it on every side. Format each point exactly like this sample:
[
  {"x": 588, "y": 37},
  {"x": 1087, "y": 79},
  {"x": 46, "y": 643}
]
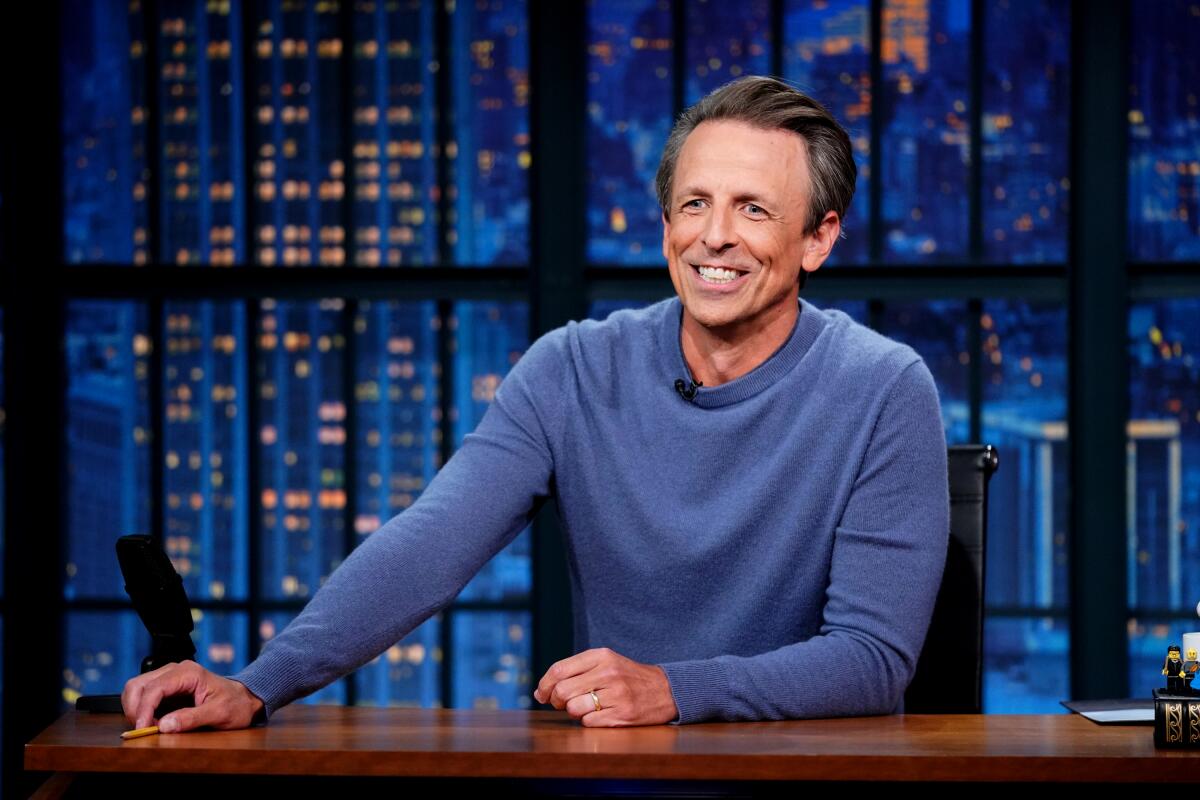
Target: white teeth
[{"x": 717, "y": 275}]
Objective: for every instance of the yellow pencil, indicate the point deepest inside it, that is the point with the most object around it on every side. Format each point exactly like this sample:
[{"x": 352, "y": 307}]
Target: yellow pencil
[{"x": 153, "y": 729}]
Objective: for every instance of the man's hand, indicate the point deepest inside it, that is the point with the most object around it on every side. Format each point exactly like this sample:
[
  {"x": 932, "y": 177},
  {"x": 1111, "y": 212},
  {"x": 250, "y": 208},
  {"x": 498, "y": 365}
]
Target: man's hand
[
  {"x": 629, "y": 693},
  {"x": 219, "y": 702}
]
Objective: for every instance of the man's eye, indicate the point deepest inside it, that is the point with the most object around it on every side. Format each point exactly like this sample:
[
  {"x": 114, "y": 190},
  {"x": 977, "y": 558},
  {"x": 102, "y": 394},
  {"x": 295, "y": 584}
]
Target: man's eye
[
  {"x": 755, "y": 210},
  {"x": 693, "y": 203}
]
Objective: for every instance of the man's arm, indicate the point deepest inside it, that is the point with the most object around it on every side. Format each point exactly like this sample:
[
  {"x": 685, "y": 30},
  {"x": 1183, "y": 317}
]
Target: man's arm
[
  {"x": 418, "y": 562},
  {"x": 888, "y": 555}
]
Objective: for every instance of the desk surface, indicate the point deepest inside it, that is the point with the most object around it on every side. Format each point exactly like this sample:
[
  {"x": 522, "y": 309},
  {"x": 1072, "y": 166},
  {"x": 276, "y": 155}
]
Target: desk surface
[{"x": 315, "y": 740}]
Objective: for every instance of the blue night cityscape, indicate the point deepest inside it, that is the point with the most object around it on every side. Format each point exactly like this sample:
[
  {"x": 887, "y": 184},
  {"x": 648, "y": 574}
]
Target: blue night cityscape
[{"x": 285, "y": 145}]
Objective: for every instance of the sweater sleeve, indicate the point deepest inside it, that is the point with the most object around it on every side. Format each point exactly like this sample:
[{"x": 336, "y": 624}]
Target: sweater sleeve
[
  {"x": 888, "y": 554},
  {"x": 418, "y": 562}
]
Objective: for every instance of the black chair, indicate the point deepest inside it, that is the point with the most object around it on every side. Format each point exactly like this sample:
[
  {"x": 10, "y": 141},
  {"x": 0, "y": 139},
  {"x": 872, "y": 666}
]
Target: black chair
[{"x": 949, "y": 675}]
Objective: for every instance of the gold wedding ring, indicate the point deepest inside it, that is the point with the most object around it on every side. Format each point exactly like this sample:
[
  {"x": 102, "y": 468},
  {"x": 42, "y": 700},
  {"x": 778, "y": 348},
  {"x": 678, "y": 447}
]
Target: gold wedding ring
[{"x": 595, "y": 699}]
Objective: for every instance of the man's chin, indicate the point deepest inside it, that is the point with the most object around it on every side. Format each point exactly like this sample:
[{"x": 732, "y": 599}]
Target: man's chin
[{"x": 712, "y": 318}]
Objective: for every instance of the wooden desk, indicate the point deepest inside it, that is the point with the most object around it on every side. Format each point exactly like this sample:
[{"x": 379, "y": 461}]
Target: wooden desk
[{"x": 367, "y": 742}]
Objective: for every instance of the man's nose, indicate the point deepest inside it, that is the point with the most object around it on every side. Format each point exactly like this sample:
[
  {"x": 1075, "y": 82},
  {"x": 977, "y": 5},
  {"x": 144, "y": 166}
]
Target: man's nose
[{"x": 719, "y": 234}]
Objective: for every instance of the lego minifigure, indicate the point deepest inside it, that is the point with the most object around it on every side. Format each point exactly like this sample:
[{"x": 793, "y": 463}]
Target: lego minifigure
[
  {"x": 1191, "y": 666},
  {"x": 1173, "y": 669}
]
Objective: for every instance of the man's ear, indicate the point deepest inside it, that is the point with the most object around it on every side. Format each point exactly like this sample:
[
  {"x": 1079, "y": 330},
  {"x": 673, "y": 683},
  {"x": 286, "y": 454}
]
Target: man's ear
[
  {"x": 821, "y": 241},
  {"x": 666, "y": 235}
]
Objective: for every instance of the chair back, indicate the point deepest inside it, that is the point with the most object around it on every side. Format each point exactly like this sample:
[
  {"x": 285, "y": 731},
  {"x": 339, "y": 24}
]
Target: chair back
[{"x": 949, "y": 675}]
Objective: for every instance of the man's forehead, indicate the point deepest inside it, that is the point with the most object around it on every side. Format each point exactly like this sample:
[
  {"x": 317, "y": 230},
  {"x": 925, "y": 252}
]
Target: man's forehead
[{"x": 771, "y": 155}]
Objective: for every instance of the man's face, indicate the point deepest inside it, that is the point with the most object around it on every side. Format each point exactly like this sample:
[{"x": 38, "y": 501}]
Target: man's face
[{"x": 738, "y": 206}]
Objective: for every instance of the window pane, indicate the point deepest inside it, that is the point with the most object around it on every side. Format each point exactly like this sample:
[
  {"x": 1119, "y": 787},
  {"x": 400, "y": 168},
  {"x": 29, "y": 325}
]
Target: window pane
[
  {"x": 629, "y": 117},
  {"x": 398, "y": 450},
  {"x": 200, "y": 97},
  {"x": 298, "y": 167},
  {"x": 204, "y": 387},
  {"x": 104, "y": 132},
  {"x": 334, "y": 693},
  {"x": 1024, "y": 367},
  {"x": 1025, "y": 665},
  {"x": 395, "y": 155},
  {"x": 220, "y": 639},
  {"x": 926, "y": 133},
  {"x": 1164, "y": 133},
  {"x": 488, "y": 339},
  {"x": 108, "y": 441},
  {"x": 724, "y": 41},
  {"x": 302, "y": 414},
  {"x": 490, "y": 157},
  {"x": 407, "y": 674},
  {"x": 937, "y": 330},
  {"x": 396, "y": 400},
  {"x": 1025, "y": 418},
  {"x": 102, "y": 650},
  {"x": 828, "y": 53},
  {"x": 1162, "y": 451},
  {"x": 491, "y": 659},
  {"x": 1026, "y": 122}
]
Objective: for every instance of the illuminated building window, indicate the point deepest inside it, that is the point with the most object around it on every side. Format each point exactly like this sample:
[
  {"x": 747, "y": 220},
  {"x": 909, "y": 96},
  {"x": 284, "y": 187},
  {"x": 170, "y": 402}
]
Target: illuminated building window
[
  {"x": 1164, "y": 134},
  {"x": 629, "y": 116},
  {"x": 1026, "y": 115},
  {"x": 104, "y": 131},
  {"x": 108, "y": 445},
  {"x": 1163, "y": 502},
  {"x": 926, "y": 129}
]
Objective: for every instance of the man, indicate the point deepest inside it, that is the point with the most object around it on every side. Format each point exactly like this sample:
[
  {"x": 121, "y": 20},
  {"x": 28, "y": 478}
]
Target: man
[{"x": 753, "y": 490}]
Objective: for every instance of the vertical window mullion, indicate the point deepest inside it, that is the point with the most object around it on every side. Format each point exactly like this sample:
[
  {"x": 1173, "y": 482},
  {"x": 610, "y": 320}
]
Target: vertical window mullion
[
  {"x": 250, "y": 402},
  {"x": 349, "y": 457},
  {"x": 444, "y": 134},
  {"x": 975, "y": 368},
  {"x": 679, "y": 64},
  {"x": 446, "y": 352},
  {"x": 153, "y": 160},
  {"x": 254, "y": 476},
  {"x": 158, "y": 440},
  {"x": 875, "y": 194},
  {"x": 153, "y": 156},
  {"x": 350, "y": 308}
]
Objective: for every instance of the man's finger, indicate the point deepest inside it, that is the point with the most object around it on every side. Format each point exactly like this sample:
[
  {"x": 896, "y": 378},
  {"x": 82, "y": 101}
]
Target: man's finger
[
  {"x": 567, "y": 668},
  {"x": 606, "y": 718},
  {"x": 568, "y": 689},
  {"x": 130, "y": 698},
  {"x": 582, "y": 704},
  {"x": 178, "y": 681},
  {"x": 186, "y": 719},
  {"x": 132, "y": 694}
]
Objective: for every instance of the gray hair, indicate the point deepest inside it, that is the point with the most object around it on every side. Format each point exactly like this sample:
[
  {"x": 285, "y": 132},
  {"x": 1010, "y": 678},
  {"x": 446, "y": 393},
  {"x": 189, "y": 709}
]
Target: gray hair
[{"x": 768, "y": 104}]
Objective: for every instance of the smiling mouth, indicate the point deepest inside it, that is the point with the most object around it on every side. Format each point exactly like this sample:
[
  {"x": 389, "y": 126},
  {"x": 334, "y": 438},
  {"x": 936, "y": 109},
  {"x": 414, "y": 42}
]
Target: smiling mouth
[{"x": 718, "y": 274}]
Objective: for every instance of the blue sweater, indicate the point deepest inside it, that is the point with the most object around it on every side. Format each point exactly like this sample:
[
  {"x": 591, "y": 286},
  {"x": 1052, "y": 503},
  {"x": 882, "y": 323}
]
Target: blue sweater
[{"x": 775, "y": 545}]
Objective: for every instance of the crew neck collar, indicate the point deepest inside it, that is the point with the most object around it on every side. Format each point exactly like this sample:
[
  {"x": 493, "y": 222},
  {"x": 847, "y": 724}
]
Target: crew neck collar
[{"x": 809, "y": 324}]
